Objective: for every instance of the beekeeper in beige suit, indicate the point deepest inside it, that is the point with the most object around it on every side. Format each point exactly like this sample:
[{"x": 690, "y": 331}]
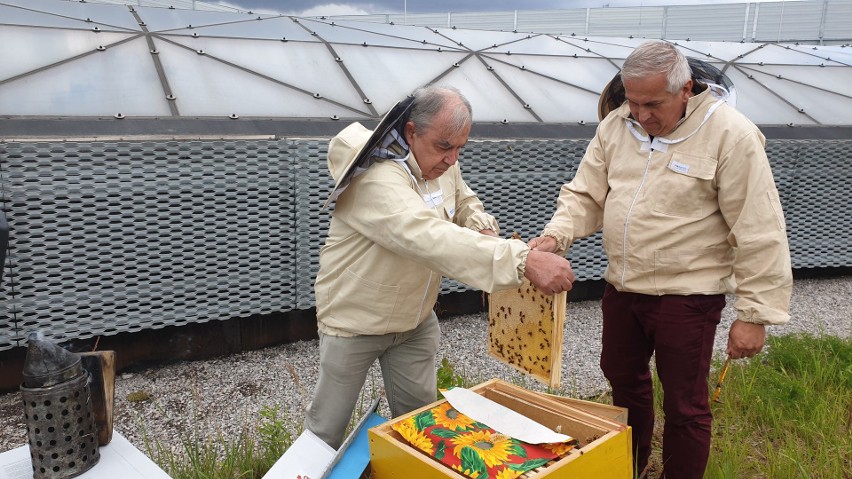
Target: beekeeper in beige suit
[
  {"x": 680, "y": 184},
  {"x": 403, "y": 219}
]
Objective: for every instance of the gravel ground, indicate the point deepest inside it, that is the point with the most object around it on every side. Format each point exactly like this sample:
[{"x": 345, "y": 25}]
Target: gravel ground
[{"x": 224, "y": 395}]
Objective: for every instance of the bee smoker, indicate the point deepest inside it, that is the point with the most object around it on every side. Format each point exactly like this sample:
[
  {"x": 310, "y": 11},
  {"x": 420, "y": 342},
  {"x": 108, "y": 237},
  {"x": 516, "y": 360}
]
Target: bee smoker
[{"x": 61, "y": 426}]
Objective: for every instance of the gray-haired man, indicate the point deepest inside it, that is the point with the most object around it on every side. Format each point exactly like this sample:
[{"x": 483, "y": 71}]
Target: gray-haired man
[{"x": 400, "y": 225}]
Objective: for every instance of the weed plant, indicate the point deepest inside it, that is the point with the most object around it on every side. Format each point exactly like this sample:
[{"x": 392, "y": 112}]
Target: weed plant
[{"x": 248, "y": 456}]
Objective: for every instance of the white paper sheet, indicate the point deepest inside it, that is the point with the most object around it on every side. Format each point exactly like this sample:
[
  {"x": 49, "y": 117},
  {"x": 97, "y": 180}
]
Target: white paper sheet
[
  {"x": 119, "y": 458},
  {"x": 500, "y": 418},
  {"x": 307, "y": 456}
]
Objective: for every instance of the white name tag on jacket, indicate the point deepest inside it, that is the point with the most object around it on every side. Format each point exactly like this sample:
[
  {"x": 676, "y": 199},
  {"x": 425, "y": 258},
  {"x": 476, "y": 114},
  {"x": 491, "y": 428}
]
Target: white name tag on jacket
[
  {"x": 433, "y": 198},
  {"x": 679, "y": 167}
]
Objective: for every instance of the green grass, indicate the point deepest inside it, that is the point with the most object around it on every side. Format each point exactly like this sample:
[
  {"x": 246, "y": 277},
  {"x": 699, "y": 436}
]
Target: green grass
[
  {"x": 248, "y": 456},
  {"x": 787, "y": 413}
]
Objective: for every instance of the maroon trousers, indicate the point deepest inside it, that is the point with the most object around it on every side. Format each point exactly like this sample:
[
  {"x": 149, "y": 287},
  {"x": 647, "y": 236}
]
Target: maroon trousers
[{"x": 679, "y": 331}]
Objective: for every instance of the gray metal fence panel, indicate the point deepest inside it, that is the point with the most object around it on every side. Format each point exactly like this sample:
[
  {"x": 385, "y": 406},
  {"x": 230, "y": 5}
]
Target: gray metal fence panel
[
  {"x": 718, "y": 22},
  {"x": 375, "y": 18},
  {"x": 313, "y": 183},
  {"x": 122, "y": 236},
  {"x": 434, "y": 20},
  {"x": 838, "y": 18},
  {"x": 625, "y": 21},
  {"x": 784, "y": 159},
  {"x": 788, "y": 22},
  {"x": 819, "y": 206},
  {"x": 648, "y": 22},
  {"x": 801, "y": 20},
  {"x": 809, "y": 21},
  {"x": 483, "y": 20},
  {"x": 7, "y": 314},
  {"x": 125, "y": 236},
  {"x": 559, "y": 22},
  {"x": 519, "y": 182}
]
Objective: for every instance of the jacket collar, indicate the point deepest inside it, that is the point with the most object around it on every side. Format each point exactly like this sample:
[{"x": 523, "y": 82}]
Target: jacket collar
[
  {"x": 411, "y": 162},
  {"x": 699, "y": 109}
]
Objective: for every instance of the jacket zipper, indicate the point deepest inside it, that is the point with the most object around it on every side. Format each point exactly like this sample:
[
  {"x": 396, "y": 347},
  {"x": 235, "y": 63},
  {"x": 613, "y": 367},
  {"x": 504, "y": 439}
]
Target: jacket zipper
[
  {"x": 627, "y": 219},
  {"x": 417, "y": 185}
]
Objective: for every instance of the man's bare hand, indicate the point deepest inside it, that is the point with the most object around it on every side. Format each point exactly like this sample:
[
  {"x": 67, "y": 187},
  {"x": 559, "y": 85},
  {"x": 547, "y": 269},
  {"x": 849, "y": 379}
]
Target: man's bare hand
[
  {"x": 550, "y": 273},
  {"x": 745, "y": 339},
  {"x": 543, "y": 243}
]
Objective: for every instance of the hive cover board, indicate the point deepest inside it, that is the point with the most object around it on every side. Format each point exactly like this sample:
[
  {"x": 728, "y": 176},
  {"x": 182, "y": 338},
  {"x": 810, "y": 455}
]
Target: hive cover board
[{"x": 525, "y": 331}]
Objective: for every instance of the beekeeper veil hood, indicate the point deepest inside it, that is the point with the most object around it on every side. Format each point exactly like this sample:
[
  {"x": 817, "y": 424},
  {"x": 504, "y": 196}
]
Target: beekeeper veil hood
[
  {"x": 704, "y": 75},
  {"x": 349, "y": 155}
]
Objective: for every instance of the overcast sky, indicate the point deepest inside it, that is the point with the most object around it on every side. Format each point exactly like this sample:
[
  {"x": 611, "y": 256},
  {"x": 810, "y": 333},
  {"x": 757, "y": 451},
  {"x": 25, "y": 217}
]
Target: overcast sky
[{"x": 358, "y": 7}]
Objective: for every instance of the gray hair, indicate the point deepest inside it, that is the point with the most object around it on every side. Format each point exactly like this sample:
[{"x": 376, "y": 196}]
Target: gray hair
[
  {"x": 655, "y": 57},
  {"x": 430, "y": 100}
]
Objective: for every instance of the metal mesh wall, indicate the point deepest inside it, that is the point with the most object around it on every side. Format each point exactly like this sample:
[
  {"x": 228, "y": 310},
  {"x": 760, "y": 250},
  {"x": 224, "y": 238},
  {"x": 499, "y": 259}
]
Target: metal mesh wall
[
  {"x": 819, "y": 206},
  {"x": 519, "y": 181},
  {"x": 117, "y": 237},
  {"x": 313, "y": 183},
  {"x": 112, "y": 237},
  {"x": 7, "y": 325},
  {"x": 784, "y": 157}
]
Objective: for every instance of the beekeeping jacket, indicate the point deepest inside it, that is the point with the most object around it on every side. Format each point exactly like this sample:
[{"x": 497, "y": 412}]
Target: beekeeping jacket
[
  {"x": 393, "y": 235},
  {"x": 694, "y": 212}
]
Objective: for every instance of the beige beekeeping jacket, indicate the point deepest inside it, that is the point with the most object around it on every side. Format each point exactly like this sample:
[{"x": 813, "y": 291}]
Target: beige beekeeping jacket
[
  {"x": 391, "y": 239},
  {"x": 696, "y": 212}
]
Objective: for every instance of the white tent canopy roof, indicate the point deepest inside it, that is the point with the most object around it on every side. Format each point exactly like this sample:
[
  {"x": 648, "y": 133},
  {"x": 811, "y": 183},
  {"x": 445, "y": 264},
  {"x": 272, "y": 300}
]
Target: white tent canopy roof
[{"x": 66, "y": 59}]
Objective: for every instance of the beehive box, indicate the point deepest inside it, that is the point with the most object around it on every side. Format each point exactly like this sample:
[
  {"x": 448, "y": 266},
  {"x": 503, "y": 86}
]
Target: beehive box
[
  {"x": 617, "y": 414},
  {"x": 604, "y": 444},
  {"x": 525, "y": 331}
]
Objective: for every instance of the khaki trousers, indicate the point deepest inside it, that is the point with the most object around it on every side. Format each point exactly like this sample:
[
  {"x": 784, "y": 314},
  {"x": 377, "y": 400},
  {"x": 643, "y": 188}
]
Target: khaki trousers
[{"x": 408, "y": 366}]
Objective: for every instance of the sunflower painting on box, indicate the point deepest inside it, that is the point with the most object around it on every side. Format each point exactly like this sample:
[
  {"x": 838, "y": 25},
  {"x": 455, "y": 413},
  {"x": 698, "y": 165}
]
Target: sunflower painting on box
[{"x": 473, "y": 448}]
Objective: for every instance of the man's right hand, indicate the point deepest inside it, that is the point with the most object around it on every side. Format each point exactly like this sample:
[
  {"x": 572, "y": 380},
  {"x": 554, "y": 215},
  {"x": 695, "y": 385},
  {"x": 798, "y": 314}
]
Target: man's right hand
[{"x": 550, "y": 273}]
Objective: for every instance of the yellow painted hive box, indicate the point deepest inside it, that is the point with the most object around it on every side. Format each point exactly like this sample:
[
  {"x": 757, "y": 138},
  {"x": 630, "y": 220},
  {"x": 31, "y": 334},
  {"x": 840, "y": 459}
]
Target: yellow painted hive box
[{"x": 604, "y": 449}]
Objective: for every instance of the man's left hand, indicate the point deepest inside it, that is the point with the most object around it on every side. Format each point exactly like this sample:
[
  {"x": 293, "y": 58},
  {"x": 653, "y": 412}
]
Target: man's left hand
[{"x": 745, "y": 339}]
